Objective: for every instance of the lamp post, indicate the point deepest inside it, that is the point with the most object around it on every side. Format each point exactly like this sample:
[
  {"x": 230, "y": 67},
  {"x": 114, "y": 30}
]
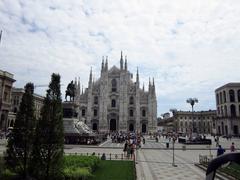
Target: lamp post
[
  {"x": 173, "y": 163},
  {"x": 173, "y": 110},
  {"x": 192, "y": 101}
]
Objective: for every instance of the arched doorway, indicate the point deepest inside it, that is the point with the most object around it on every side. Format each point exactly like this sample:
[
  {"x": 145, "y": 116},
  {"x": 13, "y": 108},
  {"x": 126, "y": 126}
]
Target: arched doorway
[
  {"x": 131, "y": 127},
  {"x": 144, "y": 128},
  {"x": 113, "y": 125},
  {"x": 94, "y": 127}
]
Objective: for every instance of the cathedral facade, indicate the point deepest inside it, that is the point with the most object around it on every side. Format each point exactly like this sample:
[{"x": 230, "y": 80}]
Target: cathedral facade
[{"x": 115, "y": 102}]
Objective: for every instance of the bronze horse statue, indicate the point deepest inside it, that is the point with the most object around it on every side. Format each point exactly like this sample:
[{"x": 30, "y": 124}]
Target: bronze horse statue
[{"x": 70, "y": 91}]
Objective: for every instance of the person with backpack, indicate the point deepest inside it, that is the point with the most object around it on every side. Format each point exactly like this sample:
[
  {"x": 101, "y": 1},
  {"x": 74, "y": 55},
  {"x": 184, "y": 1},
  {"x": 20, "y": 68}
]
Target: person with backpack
[{"x": 220, "y": 150}]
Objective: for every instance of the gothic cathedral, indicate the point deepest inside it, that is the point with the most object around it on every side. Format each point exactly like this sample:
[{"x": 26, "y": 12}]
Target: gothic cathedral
[{"x": 114, "y": 102}]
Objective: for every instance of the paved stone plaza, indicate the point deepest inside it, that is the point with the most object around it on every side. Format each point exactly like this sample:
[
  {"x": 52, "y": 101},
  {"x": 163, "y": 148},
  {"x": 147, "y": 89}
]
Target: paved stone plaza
[{"x": 153, "y": 161}]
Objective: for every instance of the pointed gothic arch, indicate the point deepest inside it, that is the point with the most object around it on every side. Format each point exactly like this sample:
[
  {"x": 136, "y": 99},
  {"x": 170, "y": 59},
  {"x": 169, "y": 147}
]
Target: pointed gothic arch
[
  {"x": 113, "y": 103},
  {"x": 114, "y": 85}
]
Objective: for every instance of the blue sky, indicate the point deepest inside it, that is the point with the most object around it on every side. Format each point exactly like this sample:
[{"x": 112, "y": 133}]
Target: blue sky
[{"x": 191, "y": 47}]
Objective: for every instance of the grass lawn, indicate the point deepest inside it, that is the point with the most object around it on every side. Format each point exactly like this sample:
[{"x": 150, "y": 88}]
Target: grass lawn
[
  {"x": 115, "y": 170},
  {"x": 233, "y": 170}
]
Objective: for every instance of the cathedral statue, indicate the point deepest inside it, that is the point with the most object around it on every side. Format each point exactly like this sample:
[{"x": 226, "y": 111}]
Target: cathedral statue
[{"x": 70, "y": 91}]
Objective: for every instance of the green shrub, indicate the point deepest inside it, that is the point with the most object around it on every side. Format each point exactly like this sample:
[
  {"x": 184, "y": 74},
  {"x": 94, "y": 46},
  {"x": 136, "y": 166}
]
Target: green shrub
[
  {"x": 7, "y": 174},
  {"x": 79, "y": 167},
  {"x": 91, "y": 162}
]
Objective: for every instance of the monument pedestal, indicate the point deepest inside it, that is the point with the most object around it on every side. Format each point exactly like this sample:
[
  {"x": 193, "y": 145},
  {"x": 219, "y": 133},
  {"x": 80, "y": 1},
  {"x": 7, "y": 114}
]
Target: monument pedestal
[{"x": 76, "y": 131}]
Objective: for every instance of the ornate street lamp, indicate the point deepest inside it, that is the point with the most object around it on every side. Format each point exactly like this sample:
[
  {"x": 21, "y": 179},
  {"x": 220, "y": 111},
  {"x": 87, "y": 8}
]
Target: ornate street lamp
[{"x": 192, "y": 101}]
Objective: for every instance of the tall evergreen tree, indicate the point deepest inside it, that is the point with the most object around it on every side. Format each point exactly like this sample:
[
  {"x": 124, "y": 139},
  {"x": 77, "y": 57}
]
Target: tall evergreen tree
[
  {"x": 20, "y": 140},
  {"x": 49, "y": 138}
]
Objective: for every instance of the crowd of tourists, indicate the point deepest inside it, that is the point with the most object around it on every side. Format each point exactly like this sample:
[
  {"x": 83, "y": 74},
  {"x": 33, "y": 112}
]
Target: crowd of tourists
[
  {"x": 133, "y": 142},
  {"x": 118, "y": 137}
]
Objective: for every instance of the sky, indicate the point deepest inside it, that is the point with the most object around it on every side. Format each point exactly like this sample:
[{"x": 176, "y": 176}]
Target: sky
[{"x": 190, "y": 47}]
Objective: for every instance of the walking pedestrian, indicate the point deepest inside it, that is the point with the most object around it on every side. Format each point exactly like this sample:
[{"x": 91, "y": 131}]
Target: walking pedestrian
[
  {"x": 132, "y": 151},
  {"x": 217, "y": 141},
  {"x": 128, "y": 150},
  {"x": 220, "y": 150},
  {"x": 232, "y": 147},
  {"x": 125, "y": 148}
]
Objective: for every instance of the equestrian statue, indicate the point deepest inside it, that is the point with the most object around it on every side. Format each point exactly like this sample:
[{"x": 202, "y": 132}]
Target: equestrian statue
[{"x": 70, "y": 91}]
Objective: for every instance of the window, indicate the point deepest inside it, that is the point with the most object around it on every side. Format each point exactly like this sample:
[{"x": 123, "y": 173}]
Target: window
[
  {"x": 231, "y": 95},
  {"x": 113, "y": 103},
  {"x": 83, "y": 112},
  {"x": 239, "y": 109},
  {"x": 114, "y": 85},
  {"x": 95, "y": 100},
  {"x": 221, "y": 98},
  {"x": 217, "y": 99},
  {"x": 143, "y": 112},
  {"x": 225, "y": 110},
  {"x": 233, "y": 110},
  {"x": 95, "y": 112},
  {"x": 238, "y": 95},
  {"x": 224, "y": 97},
  {"x": 131, "y": 113},
  {"x": 5, "y": 96},
  {"x": 131, "y": 100}
]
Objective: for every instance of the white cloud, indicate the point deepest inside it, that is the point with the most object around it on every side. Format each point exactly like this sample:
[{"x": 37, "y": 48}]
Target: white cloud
[{"x": 190, "y": 47}]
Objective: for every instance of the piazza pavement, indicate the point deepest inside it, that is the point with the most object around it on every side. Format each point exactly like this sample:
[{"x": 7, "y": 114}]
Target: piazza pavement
[{"x": 154, "y": 161}]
